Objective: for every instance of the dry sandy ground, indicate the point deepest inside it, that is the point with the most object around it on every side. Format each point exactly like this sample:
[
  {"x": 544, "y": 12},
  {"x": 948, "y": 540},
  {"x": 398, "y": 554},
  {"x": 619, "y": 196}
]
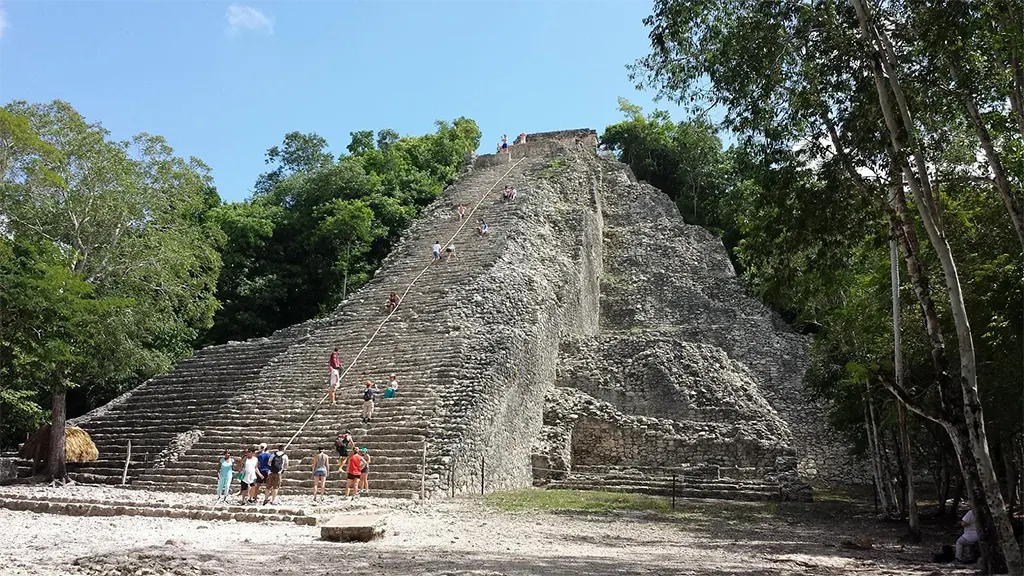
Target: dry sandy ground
[{"x": 468, "y": 536}]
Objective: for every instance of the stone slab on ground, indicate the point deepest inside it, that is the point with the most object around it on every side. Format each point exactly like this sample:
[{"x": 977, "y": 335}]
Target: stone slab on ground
[{"x": 354, "y": 527}]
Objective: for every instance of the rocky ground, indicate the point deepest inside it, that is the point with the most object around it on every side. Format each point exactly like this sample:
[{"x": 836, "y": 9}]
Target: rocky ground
[{"x": 521, "y": 533}]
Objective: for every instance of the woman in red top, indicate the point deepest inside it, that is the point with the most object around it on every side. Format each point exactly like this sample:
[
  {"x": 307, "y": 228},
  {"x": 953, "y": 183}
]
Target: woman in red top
[{"x": 355, "y": 466}]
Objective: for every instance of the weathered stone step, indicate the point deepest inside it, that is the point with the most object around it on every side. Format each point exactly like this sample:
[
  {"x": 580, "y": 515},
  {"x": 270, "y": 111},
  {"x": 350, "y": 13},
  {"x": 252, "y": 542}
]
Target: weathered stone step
[
  {"x": 252, "y": 514},
  {"x": 680, "y": 492}
]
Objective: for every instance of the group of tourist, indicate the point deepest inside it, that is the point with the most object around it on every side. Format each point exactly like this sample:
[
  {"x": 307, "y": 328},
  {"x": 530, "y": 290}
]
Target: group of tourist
[
  {"x": 257, "y": 468},
  {"x": 353, "y": 462},
  {"x": 262, "y": 468}
]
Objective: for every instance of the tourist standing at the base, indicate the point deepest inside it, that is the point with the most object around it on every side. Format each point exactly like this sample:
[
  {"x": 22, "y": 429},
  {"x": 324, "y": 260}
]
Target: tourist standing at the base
[
  {"x": 321, "y": 466},
  {"x": 352, "y": 473},
  {"x": 250, "y": 470},
  {"x": 224, "y": 476},
  {"x": 278, "y": 464}
]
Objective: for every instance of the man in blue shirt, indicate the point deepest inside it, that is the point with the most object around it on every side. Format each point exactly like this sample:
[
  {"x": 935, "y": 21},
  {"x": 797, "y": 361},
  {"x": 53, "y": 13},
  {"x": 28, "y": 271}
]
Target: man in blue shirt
[{"x": 263, "y": 465}]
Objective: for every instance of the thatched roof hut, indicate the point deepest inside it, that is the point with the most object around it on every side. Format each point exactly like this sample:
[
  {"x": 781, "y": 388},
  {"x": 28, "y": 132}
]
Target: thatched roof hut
[{"x": 78, "y": 446}]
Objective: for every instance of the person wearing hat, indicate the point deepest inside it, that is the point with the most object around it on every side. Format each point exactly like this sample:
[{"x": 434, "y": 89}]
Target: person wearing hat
[
  {"x": 392, "y": 388},
  {"x": 368, "y": 395},
  {"x": 365, "y": 471}
]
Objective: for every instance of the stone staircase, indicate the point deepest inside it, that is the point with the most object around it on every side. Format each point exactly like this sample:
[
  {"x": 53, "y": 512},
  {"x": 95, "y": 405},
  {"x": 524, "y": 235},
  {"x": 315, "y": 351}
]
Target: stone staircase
[
  {"x": 156, "y": 413},
  {"x": 232, "y": 396},
  {"x": 682, "y": 482},
  {"x": 592, "y": 341}
]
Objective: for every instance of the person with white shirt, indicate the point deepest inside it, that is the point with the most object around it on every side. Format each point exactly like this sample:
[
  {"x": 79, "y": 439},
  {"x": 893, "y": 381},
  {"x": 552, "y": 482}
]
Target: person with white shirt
[
  {"x": 436, "y": 249},
  {"x": 248, "y": 479},
  {"x": 966, "y": 545}
]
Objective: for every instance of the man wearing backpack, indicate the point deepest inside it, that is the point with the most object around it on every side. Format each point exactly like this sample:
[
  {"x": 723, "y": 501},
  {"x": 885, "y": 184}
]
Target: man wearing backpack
[
  {"x": 368, "y": 395},
  {"x": 278, "y": 464}
]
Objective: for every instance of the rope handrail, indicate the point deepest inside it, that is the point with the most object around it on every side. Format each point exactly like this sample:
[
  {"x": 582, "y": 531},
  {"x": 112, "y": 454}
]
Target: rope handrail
[{"x": 401, "y": 301}]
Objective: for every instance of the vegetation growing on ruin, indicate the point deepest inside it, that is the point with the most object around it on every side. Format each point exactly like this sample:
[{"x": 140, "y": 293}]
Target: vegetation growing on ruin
[
  {"x": 856, "y": 123},
  {"x": 118, "y": 258}
]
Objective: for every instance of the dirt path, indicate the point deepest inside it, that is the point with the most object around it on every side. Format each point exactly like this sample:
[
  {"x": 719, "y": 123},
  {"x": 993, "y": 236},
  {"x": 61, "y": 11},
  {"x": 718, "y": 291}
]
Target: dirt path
[{"x": 469, "y": 536}]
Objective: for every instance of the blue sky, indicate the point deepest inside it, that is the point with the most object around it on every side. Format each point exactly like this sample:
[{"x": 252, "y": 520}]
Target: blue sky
[{"x": 224, "y": 81}]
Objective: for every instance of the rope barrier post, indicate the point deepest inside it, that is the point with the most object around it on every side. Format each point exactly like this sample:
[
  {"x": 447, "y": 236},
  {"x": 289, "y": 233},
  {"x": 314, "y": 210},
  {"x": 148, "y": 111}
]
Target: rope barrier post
[
  {"x": 482, "y": 458},
  {"x": 451, "y": 480},
  {"x": 423, "y": 477},
  {"x": 673, "y": 491},
  {"x": 127, "y": 459}
]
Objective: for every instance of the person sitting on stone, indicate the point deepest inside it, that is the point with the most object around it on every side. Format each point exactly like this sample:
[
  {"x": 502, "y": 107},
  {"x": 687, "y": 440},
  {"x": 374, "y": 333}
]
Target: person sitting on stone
[
  {"x": 393, "y": 302},
  {"x": 461, "y": 211},
  {"x": 511, "y": 193},
  {"x": 483, "y": 229},
  {"x": 392, "y": 388},
  {"x": 506, "y": 193},
  {"x": 967, "y": 544}
]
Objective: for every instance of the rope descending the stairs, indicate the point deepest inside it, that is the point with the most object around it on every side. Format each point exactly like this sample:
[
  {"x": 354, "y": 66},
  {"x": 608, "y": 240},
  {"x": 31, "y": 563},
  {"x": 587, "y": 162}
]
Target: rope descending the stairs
[{"x": 402, "y": 300}]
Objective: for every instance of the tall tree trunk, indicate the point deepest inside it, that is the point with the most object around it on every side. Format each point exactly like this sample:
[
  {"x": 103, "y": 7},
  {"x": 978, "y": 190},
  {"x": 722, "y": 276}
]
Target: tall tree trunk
[
  {"x": 910, "y": 497},
  {"x": 958, "y": 494},
  {"x": 1010, "y": 464},
  {"x": 875, "y": 443},
  {"x": 913, "y": 521},
  {"x": 995, "y": 163},
  {"x": 57, "y": 460},
  {"x": 987, "y": 485},
  {"x": 942, "y": 488}
]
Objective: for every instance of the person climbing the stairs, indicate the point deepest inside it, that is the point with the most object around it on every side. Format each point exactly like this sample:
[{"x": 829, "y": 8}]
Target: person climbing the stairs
[
  {"x": 368, "y": 395},
  {"x": 278, "y": 464},
  {"x": 227, "y": 464},
  {"x": 436, "y": 249},
  {"x": 321, "y": 467},
  {"x": 343, "y": 445},
  {"x": 352, "y": 473},
  {"x": 461, "y": 212},
  {"x": 393, "y": 301},
  {"x": 335, "y": 366},
  {"x": 450, "y": 251}
]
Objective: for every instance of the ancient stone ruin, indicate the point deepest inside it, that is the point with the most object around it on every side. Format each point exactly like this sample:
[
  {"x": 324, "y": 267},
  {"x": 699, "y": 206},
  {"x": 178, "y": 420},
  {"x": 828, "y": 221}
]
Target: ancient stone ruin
[{"x": 592, "y": 339}]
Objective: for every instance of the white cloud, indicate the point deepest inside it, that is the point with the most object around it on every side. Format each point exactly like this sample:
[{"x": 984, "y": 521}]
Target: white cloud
[
  {"x": 241, "y": 17},
  {"x": 3, "y": 20}
]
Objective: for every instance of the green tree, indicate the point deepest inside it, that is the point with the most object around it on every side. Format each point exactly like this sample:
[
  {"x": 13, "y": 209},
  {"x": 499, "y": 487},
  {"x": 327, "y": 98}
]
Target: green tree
[
  {"x": 783, "y": 72},
  {"x": 315, "y": 231},
  {"x": 130, "y": 221}
]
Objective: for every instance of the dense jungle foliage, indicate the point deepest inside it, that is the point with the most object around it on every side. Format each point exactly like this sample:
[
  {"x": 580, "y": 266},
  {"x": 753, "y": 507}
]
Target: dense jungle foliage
[{"x": 118, "y": 258}]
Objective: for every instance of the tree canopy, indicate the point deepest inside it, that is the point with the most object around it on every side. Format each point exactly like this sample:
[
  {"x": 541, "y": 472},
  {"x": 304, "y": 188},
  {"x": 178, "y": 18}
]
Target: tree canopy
[{"x": 117, "y": 258}]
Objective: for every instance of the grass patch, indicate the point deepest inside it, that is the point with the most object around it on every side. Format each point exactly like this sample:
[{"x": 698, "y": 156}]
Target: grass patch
[
  {"x": 554, "y": 168},
  {"x": 574, "y": 500}
]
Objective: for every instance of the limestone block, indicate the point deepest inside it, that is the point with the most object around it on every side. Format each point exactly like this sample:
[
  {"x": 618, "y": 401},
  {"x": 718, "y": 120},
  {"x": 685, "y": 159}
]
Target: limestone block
[
  {"x": 8, "y": 469},
  {"x": 354, "y": 527}
]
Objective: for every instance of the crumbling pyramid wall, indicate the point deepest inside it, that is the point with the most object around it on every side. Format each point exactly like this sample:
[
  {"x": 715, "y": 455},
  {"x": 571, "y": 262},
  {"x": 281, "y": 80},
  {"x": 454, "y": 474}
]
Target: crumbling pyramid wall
[{"x": 592, "y": 327}]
